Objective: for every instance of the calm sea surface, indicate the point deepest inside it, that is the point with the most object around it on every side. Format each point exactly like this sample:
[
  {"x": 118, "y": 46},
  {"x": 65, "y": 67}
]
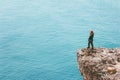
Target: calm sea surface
[{"x": 39, "y": 38}]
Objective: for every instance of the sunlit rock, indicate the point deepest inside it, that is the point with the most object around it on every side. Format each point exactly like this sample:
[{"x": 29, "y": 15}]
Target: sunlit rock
[{"x": 99, "y": 64}]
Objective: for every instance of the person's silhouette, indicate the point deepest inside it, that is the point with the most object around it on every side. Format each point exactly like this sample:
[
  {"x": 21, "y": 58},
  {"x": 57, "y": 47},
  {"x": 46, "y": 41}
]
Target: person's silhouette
[{"x": 90, "y": 39}]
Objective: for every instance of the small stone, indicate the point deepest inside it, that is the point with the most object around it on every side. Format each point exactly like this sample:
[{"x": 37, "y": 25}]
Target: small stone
[
  {"x": 111, "y": 70},
  {"x": 111, "y": 51},
  {"x": 118, "y": 59},
  {"x": 82, "y": 50}
]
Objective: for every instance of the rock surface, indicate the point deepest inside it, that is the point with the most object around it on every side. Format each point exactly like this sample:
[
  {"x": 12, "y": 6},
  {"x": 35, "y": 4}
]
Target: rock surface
[{"x": 99, "y": 64}]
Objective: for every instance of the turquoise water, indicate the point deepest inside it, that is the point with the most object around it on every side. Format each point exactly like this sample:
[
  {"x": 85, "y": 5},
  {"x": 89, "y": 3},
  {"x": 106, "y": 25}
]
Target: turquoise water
[{"x": 39, "y": 38}]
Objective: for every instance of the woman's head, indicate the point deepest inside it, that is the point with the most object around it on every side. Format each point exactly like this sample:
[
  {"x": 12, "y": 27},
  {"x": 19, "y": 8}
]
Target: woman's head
[{"x": 91, "y": 32}]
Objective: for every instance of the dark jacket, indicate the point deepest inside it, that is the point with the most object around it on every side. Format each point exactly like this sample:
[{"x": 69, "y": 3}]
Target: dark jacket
[{"x": 91, "y": 38}]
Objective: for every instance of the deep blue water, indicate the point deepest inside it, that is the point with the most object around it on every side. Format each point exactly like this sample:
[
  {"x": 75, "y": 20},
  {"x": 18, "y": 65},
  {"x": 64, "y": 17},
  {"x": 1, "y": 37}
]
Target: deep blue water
[{"x": 39, "y": 38}]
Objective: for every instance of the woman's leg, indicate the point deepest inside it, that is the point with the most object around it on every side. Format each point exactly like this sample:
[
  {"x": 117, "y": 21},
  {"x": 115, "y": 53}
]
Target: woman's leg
[
  {"x": 92, "y": 44},
  {"x": 88, "y": 44}
]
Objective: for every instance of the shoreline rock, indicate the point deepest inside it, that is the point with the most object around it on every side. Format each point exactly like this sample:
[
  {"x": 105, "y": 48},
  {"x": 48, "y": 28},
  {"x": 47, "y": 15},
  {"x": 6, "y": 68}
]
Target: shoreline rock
[{"x": 99, "y": 64}]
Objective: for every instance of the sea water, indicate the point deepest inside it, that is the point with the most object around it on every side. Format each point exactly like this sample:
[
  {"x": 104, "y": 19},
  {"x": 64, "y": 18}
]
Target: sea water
[{"x": 39, "y": 38}]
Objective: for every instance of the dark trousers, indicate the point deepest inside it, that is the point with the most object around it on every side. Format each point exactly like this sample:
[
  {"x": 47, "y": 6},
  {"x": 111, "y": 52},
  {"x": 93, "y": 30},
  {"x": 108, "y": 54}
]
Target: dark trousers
[{"x": 90, "y": 43}]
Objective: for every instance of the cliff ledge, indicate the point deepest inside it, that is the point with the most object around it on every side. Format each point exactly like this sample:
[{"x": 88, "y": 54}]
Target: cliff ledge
[{"x": 99, "y": 64}]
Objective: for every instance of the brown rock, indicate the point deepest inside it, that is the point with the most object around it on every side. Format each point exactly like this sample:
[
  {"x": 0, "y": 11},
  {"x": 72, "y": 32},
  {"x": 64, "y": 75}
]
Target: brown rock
[
  {"x": 111, "y": 70},
  {"x": 99, "y": 64}
]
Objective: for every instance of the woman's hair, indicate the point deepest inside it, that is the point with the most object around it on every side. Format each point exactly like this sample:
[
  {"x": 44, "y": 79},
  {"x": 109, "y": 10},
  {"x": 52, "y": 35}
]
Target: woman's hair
[{"x": 91, "y": 32}]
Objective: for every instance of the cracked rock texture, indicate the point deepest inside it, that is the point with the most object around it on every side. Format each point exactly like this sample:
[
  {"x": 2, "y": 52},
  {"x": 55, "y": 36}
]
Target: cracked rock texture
[{"x": 99, "y": 64}]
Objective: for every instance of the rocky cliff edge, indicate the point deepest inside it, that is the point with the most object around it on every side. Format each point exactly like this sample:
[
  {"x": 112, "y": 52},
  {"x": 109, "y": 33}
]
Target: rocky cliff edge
[{"x": 99, "y": 64}]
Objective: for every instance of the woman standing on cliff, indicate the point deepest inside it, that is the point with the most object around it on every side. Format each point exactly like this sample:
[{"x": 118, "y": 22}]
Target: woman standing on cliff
[{"x": 90, "y": 39}]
